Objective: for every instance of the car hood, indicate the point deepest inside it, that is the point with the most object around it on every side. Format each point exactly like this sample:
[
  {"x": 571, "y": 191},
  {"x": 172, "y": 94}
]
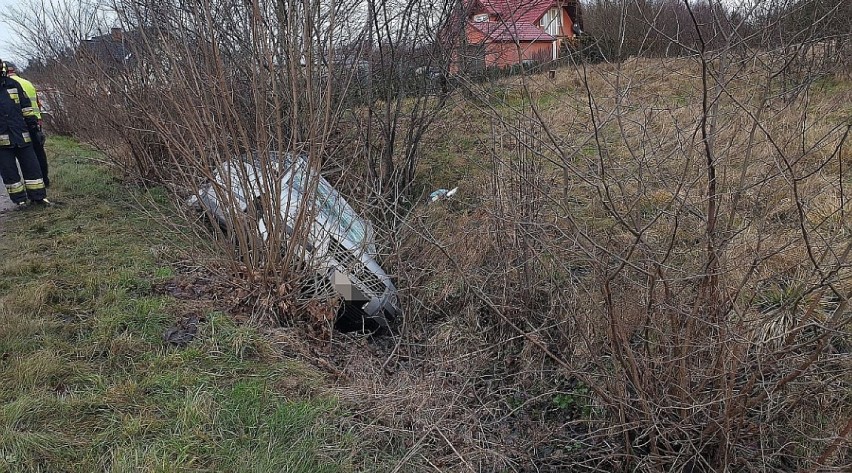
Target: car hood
[{"x": 333, "y": 218}]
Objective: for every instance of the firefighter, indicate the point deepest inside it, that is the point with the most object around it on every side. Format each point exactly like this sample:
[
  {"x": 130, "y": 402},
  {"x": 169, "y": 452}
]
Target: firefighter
[
  {"x": 38, "y": 140},
  {"x": 18, "y": 125}
]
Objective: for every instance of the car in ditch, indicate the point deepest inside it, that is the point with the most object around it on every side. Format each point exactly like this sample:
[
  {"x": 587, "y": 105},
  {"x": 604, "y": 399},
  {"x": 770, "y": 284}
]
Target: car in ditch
[{"x": 337, "y": 244}]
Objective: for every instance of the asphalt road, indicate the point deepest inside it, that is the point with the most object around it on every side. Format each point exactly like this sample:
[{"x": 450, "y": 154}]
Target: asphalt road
[{"x": 5, "y": 203}]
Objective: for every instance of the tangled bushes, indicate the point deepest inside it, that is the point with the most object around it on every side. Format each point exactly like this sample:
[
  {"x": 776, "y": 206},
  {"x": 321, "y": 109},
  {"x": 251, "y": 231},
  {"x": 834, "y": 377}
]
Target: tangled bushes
[{"x": 648, "y": 268}]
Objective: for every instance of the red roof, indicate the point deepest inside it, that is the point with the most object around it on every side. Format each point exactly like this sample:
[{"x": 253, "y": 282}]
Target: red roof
[
  {"x": 517, "y": 20},
  {"x": 519, "y": 31},
  {"x": 526, "y": 11}
]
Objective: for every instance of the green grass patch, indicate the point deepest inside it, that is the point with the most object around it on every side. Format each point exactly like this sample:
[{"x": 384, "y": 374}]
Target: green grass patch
[{"x": 86, "y": 382}]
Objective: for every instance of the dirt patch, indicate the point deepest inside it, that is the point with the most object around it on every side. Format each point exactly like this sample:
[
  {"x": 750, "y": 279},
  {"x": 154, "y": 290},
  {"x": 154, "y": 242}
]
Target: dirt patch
[{"x": 183, "y": 332}]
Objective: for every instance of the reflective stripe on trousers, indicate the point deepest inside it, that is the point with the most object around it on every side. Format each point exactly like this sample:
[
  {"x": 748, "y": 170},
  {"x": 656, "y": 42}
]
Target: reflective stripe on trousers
[
  {"x": 33, "y": 184},
  {"x": 17, "y": 192},
  {"x": 15, "y": 188}
]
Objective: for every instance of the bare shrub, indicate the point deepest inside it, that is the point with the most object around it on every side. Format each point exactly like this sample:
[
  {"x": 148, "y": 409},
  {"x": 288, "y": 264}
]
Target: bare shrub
[
  {"x": 176, "y": 90},
  {"x": 647, "y": 267},
  {"x": 637, "y": 278}
]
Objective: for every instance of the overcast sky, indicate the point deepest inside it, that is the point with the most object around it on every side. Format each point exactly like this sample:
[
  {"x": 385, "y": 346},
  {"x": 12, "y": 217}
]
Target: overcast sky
[{"x": 6, "y": 33}]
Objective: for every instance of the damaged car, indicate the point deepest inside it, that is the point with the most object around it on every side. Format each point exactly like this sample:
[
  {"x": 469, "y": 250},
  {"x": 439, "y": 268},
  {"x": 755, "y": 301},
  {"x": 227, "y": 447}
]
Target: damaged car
[{"x": 335, "y": 241}]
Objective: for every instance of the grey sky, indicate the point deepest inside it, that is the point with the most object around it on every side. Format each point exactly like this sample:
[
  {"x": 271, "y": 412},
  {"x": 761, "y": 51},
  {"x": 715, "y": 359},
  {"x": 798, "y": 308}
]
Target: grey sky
[{"x": 7, "y": 35}]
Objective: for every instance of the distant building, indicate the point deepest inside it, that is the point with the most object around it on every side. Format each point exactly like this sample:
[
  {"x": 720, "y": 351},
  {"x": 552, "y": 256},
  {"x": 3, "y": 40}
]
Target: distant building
[
  {"x": 112, "y": 52},
  {"x": 501, "y": 33}
]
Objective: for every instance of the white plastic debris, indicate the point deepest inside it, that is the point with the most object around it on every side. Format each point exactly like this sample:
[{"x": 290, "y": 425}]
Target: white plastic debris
[{"x": 442, "y": 193}]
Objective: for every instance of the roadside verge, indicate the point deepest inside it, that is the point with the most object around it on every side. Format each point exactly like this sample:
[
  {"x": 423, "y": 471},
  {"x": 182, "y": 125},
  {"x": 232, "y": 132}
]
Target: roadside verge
[{"x": 87, "y": 382}]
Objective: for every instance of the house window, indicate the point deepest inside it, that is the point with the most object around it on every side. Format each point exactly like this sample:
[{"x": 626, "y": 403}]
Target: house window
[
  {"x": 551, "y": 22},
  {"x": 481, "y": 18}
]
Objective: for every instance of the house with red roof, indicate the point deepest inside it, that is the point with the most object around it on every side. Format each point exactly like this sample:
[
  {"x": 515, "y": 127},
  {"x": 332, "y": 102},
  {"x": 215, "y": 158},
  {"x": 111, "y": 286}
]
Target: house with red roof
[{"x": 501, "y": 33}]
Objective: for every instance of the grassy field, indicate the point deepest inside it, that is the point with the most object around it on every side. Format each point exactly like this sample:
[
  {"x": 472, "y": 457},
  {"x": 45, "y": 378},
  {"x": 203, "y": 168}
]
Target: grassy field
[
  {"x": 86, "y": 381},
  {"x": 543, "y": 223},
  {"x": 511, "y": 266}
]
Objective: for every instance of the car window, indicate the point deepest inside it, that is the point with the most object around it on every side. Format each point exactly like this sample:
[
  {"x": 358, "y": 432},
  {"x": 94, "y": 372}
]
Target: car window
[{"x": 335, "y": 210}]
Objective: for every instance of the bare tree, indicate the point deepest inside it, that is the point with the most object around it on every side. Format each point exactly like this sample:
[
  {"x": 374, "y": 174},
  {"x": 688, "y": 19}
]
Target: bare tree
[
  {"x": 657, "y": 253},
  {"x": 648, "y": 268}
]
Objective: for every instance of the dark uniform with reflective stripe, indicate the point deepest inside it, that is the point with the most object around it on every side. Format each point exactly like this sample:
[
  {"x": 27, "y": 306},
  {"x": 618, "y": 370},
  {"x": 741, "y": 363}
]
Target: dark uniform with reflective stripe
[
  {"x": 38, "y": 144},
  {"x": 17, "y": 120}
]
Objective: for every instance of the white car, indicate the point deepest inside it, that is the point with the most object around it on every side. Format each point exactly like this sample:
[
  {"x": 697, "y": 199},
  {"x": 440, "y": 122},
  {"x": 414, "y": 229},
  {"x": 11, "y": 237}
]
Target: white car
[{"x": 340, "y": 244}]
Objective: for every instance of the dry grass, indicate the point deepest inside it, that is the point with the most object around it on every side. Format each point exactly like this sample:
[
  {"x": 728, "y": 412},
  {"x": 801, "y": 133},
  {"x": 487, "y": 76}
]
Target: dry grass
[
  {"x": 507, "y": 358},
  {"x": 558, "y": 315}
]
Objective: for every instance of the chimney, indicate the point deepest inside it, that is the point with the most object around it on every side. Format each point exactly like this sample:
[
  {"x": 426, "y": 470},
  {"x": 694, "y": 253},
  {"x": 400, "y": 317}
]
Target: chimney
[{"x": 116, "y": 34}]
